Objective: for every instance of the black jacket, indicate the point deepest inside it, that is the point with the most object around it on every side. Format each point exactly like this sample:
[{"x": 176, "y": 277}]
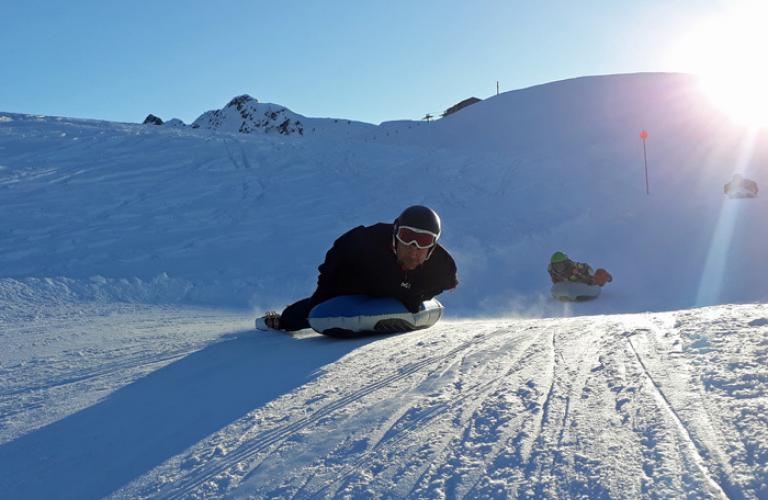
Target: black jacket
[{"x": 363, "y": 262}]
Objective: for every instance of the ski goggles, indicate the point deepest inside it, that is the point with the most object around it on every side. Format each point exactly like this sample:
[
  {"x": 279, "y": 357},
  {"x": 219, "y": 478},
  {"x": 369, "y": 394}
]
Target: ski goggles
[
  {"x": 419, "y": 237},
  {"x": 559, "y": 267}
]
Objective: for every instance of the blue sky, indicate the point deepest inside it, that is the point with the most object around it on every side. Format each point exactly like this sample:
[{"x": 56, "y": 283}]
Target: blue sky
[{"x": 371, "y": 61}]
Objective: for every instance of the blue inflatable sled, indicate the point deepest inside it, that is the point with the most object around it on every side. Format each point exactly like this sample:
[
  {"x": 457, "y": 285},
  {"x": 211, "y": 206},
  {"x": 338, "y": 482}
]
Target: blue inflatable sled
[{"x": 351, "y": 316}]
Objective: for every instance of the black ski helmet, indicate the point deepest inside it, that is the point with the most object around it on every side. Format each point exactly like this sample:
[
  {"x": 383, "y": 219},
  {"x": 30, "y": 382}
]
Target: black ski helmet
[{"x": 420, "y": 217}]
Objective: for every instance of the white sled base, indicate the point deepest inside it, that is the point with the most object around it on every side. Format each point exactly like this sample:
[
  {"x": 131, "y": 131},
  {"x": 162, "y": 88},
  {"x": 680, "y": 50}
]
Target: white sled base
[{"x": 568, "y": 290}]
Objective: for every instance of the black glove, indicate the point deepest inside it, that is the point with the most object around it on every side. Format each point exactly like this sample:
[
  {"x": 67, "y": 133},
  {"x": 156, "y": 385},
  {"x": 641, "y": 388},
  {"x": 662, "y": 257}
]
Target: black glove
[{"x": 413, "y": 306}]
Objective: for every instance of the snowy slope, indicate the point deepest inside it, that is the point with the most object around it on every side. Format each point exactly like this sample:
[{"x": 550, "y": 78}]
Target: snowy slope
[{"x": 135, "y": 257}]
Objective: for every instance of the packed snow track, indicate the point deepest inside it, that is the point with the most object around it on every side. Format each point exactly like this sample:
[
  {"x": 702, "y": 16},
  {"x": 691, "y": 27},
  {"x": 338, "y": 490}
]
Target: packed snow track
[{"x": 657, "y": 405}]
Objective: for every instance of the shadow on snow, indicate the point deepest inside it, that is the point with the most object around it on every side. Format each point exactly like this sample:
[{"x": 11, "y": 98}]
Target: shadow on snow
[{"x": 94, "y": 452}]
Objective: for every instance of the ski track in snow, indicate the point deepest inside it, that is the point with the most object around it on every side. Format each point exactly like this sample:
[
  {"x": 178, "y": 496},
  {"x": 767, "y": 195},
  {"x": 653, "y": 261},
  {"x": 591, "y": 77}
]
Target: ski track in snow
[
  {"x": 657, "y": 405},
  {"x": 603, "y": 407}
]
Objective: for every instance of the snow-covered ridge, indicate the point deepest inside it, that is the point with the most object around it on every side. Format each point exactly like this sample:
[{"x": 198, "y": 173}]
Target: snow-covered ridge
[{"x": 246, "y": 115}]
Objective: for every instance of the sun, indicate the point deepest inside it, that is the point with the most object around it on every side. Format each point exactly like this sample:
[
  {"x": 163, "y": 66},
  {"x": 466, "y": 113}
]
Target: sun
[{"x": 729, "y": 52}]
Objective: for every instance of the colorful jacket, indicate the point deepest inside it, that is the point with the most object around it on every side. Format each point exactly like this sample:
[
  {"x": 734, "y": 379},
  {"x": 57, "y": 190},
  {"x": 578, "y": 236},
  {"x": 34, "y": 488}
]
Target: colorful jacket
[{"x": 578, "y": 272}]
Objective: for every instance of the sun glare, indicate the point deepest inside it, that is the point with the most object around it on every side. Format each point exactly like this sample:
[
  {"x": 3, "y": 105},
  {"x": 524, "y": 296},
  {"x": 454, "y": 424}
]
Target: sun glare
[{"x": 729, "y": 53}]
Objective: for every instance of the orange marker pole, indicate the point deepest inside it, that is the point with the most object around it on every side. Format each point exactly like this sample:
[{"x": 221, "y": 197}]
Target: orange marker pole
[{"x": 644, "y": 136}]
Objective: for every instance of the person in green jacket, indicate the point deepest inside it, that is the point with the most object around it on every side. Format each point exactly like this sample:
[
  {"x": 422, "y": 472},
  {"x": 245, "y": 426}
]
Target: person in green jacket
[{"x": 561, "y": 268}]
